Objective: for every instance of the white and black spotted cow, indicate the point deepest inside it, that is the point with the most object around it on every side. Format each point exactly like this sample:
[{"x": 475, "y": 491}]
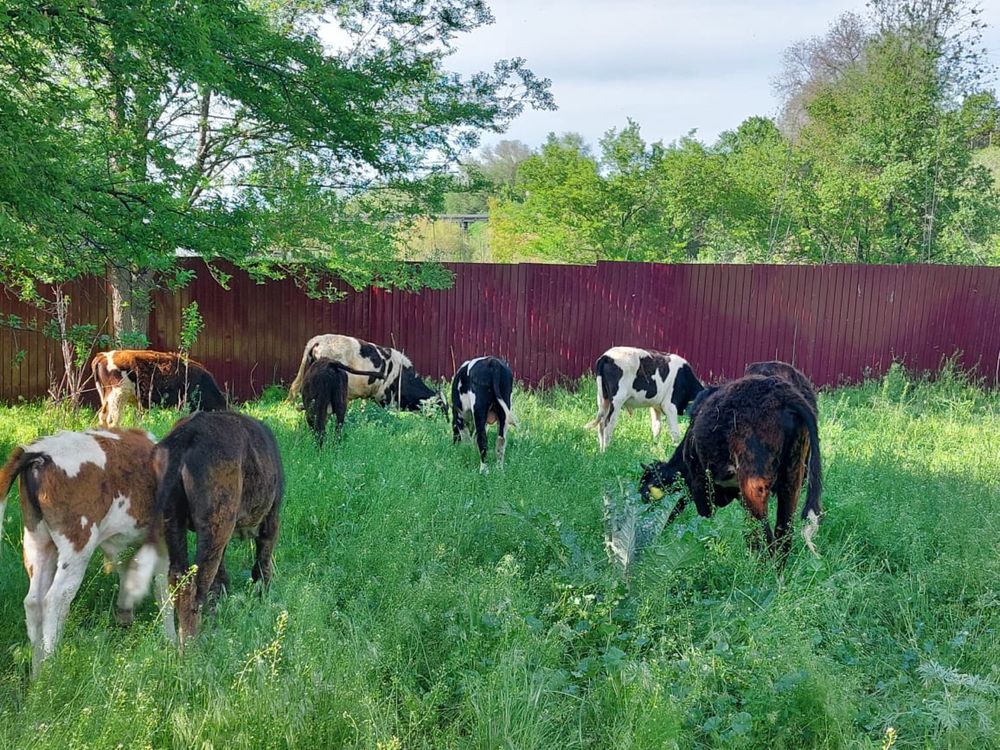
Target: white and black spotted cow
[
  {"x": 394, "y": 380},
  {"x": 481, "y": 395},
  {"x": 628, "y": 377}
]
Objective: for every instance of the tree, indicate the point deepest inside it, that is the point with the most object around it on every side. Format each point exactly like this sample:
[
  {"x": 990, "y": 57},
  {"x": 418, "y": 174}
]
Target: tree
[
  {"x": 493, "y": 173},
  {"x": 561, "y": 189},
  {"x": 229, "y": 130}
]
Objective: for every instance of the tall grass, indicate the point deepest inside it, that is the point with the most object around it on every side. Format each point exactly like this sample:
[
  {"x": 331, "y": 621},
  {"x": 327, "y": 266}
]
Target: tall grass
[{"x": 417, "y": 603}]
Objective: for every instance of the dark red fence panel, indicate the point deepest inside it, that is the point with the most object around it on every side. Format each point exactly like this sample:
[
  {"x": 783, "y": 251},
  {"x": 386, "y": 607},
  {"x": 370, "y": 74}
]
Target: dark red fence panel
[{"x": 838, "y": 323}]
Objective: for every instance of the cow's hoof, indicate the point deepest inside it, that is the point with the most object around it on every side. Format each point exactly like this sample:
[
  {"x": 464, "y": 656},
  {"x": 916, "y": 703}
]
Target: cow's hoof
[
  {"x": 124, "y": 617},
  {"x": 484, "y": 469}
]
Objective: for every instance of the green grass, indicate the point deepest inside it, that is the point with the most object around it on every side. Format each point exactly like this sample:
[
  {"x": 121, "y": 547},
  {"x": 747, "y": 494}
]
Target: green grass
[{"x": 429, "y": 606}]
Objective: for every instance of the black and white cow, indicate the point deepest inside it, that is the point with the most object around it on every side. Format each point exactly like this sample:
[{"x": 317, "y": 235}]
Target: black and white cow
[
  {"x": 628, "y": 377},
  {"x": 394, "y": 382},
  {"x": 481, "y": 395}
]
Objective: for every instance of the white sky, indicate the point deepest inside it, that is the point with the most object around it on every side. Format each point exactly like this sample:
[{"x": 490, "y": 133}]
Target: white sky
[{"x": 672, "y": 66}]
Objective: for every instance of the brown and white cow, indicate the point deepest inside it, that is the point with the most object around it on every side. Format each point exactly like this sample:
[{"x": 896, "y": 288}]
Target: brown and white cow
[
  {"x": 628, "y": 377},
  {"x": 218, "y": 474},
  {"x": 145, "y": 377},
  {"x": 80, "y": 491},
  {"x": 747, "y": 438},
  {"x": 397, "y": 382}
]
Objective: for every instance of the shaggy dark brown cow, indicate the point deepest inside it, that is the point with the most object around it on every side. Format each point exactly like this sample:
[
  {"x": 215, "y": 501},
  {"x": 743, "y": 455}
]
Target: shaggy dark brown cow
[
  {"x": 748, "y": 438},
  {"x": 145, "y": 377},
  {"x": 218, "y": 474},
  {"x": 778, "y": 369},
  {"x": 324, "y": 390},
  {"x": 81, "y": 491}
]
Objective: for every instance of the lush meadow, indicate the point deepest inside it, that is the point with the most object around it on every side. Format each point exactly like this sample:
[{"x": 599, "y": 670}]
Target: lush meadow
[{"x": 417, "y": 603}]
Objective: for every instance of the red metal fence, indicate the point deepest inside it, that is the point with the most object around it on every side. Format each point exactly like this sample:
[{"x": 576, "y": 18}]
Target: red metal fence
[{"x": 837, "y": 323}]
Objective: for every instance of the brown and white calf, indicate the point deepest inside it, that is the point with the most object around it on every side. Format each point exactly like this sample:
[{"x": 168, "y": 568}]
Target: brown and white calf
[
  {"x": 396, "y": 381},
  {"x": 218, "y": 474},
  {"x": 81, "y": 491},
  {"x": 748, "y": 438},
  {"x": 145, "y": 377},
  {"x": 628, "y": 377}
]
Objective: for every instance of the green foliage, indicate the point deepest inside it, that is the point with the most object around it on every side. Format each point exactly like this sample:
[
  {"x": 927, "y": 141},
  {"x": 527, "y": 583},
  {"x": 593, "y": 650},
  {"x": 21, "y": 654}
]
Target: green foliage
[
  {"x": 130, "y": 131},
  {"x": 191, "y": 326},
  {"x": 873, "y": 164},
  {"x": 417, "y": 603}
]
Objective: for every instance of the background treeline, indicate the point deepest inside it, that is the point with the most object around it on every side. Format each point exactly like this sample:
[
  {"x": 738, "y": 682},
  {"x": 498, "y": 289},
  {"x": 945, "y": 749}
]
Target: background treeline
[{"x": 882, "y": 153}]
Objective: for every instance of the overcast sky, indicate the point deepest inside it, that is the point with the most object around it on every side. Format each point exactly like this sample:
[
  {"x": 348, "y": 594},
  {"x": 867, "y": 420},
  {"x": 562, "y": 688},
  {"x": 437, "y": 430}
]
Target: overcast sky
[{"x": 671, "y": 65}]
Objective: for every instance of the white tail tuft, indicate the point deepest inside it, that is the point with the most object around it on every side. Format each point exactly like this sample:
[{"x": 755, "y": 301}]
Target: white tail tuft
[{"x": 809, "y": 531}]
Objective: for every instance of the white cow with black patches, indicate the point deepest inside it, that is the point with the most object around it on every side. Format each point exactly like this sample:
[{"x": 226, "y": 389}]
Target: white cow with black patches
[
  {"x": 81, "y": 491},
  {"x": 481, "y": 395},
  {"x": 629, "y": 377}
]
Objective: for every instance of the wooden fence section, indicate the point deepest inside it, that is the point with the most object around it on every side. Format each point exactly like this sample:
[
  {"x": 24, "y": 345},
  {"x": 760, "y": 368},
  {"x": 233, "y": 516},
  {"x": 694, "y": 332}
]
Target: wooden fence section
[{"x": 837, "y": 323}]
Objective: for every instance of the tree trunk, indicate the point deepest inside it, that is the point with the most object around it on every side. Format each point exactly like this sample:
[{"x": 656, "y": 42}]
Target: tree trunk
[{"x": 131, "y": 291}]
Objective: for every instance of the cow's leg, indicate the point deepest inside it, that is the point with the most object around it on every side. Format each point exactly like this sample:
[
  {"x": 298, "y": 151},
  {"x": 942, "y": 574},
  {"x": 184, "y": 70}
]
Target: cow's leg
[
  {"x": 208, "y": 558},
  {"x": 113, "y": 407},
  {"x": 177, "y": 548},
  {"x": 479, "y": 415},
  {"x": 654, "y": 420},
  {"x": 676, "y": 511},
  {"x": 161, "y": 592},
  {"x": 71, "y": 567},
  {"x": 672, "y": 423},
  {"x": 701, "y": 493},
  {"x": 40, "y": 558},
  {"x": 608, "y": 426},
  {"x": 221, "y": 583},
  {"x": 339, "y": 403},
  {"x": 267, "y": 537},
  {"x": 128, "y": 581},
  {"x": 787, "y": 490},
  {"x": 102, "y": 412},
  {"x": 787, "y": 500}
]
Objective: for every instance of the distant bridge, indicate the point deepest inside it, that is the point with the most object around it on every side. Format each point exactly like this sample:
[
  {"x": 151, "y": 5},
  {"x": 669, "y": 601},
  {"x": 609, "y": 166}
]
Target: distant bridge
[{"x": 463, "y": 220}]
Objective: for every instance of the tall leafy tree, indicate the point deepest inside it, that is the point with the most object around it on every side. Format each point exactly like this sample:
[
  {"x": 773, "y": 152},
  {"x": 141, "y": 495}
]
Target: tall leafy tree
[{"x": 232, "y": 130}]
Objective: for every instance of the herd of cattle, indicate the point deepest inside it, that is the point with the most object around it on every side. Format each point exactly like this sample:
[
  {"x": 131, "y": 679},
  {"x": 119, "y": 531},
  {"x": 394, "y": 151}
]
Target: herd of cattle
[{"x": 219, "y": 473}]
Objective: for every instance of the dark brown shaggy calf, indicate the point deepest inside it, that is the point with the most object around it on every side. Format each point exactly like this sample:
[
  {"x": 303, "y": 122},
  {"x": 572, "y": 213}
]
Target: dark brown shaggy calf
[
  {"x": 748, "y": 438},
  {"x": 145, "y": 377},
  {"x": 324, "y": 390},
  {"x": 778, "y": 369},
  {"x": 218, "y": 474}
]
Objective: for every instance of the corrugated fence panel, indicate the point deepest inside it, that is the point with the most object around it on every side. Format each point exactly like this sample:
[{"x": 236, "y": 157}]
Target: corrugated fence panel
[{"x": 838, "y": 323}]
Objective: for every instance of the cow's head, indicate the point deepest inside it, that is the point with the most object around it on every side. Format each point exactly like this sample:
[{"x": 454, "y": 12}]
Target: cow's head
[
  {"x": 660, "y": 477},
  {"x": 410, "y": 393},
  {"x": 686, "y": 388}
]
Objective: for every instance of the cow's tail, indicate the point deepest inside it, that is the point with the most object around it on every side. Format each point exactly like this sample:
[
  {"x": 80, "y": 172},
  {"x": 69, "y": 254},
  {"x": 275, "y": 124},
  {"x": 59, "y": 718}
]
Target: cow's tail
[
  {"x": 17, "y": 462},
  {"x": 167, "y": 460},
  {"x": 363, "y": 373},
  {"x": 603, "y": 393},
  {"x": 296, "y": 385},
  {"x": 496, "y": 390},
  {"x": 812, "y": 511}
]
